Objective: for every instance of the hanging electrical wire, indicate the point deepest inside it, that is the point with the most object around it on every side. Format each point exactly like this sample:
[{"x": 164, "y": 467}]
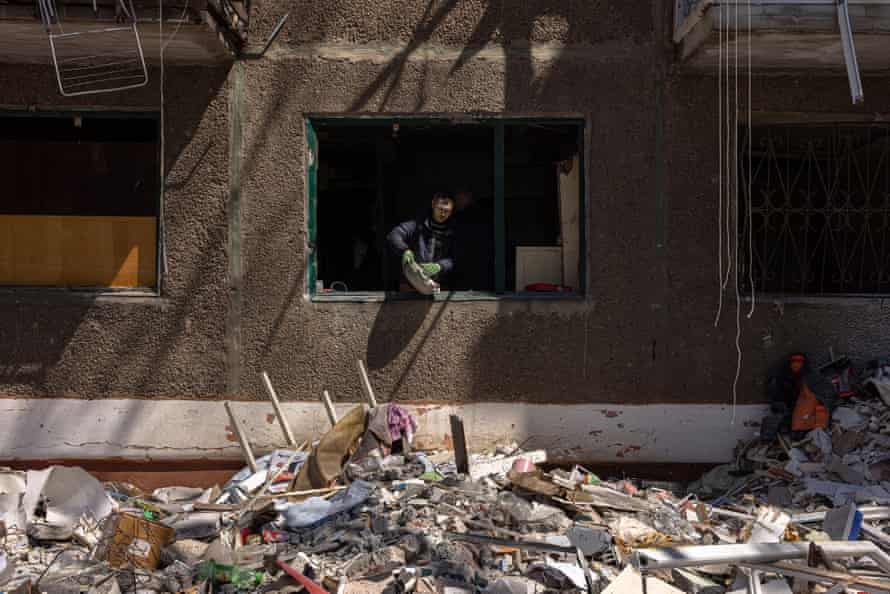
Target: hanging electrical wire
[
  {"x": 727, "y": 161},
  {"x": 734, "y": 238},
  {"x": 730, "y": 162},
  {"x": 750, "y": 193},
  {"x": 719, "y": 173}
]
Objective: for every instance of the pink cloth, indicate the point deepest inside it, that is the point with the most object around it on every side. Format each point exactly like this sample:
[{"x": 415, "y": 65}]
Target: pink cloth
[{"x": 401, "y": 424}]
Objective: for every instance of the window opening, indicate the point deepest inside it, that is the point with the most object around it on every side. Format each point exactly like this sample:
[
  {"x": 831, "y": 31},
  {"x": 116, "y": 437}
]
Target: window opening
[
  {"x": 81, "y": 200},
  {"x": 820, "y": 204},
  {"x": 374, "y": 176}
]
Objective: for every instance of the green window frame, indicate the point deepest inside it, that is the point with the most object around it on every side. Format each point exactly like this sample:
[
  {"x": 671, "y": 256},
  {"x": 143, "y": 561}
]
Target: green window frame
[{"x": 498, "y": 125}]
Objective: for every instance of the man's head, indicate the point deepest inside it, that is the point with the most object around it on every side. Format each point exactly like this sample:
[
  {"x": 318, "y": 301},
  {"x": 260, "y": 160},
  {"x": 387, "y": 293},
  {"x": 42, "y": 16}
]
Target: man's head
[
  {"x": 442, "y": 206},
  {"x": 798, "y": 361},
  {"x": 463, "y": 199}
]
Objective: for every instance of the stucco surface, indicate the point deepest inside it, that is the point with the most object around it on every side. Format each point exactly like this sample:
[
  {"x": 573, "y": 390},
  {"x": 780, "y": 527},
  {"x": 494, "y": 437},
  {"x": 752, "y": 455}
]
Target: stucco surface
[{"x": 644, "y": 331}]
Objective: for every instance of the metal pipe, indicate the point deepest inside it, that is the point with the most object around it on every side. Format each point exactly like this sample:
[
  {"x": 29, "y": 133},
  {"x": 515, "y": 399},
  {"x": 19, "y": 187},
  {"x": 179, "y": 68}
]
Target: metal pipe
[
  {"x": 837, "y": 549},
  {"x": 794, "y": 2},
  {"x": 692, "y": 556},
  {"x": 852, "y": 65},
  {"x": 849, "y": 582},
  {"x": 875, "y": 533},
  {"x": 282, "y": 420},
  {"x": 869, "y": 512}
]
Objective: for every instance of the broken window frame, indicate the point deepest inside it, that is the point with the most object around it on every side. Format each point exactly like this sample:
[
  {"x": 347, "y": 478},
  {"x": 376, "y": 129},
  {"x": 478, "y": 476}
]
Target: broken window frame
[
  {"x": 154, "y": 290},
  {"x": 498, "y": 124},
  {"x": 775, "y": 123}
]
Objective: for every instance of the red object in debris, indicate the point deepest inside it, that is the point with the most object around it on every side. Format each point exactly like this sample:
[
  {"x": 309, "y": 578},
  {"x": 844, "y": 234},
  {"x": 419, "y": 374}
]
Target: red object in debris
[
  {"x": 275, "y": 536},
  {"x": 628, "y": 487},
  {"x": 547, "y": 288},
  {"x": 310, "y": 586},
  {"x": 523, "y": 465}
]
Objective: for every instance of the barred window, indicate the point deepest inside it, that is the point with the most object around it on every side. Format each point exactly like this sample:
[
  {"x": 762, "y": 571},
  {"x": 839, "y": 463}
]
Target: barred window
[{"x": 819, "y": 209}]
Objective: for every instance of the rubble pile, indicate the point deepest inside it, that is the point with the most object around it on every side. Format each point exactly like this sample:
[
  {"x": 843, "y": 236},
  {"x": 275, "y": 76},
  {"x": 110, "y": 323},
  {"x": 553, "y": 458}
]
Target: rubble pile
[{"x": 359, "y": 512}]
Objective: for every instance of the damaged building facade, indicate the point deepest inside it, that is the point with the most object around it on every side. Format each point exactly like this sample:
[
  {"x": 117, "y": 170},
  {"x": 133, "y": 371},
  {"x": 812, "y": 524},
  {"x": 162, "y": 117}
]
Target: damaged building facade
[{"x": 162, "y": 245}]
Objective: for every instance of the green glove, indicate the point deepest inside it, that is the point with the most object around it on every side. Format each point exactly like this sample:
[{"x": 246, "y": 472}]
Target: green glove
[
  {"x": 407, "y": 257},
  {"x": 431, "y": 269}
]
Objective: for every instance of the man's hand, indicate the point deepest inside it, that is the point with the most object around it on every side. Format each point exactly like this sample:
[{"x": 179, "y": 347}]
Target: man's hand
[
  {"x": 431, "y": 269},
  {"x": 407, "y": 257}
]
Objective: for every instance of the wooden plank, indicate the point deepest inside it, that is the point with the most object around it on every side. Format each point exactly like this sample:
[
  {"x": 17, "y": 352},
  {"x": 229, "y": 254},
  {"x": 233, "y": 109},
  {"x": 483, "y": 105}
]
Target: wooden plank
[
  {"x": 569, "y": 209},
  {"x": 329, "y": 407},
  {"x": 242, "y": 438},
  {"x": 78, "y": 250},
  {"x": 282, "y": 420},
  {"x": 366, "y": 385},
  {"x": 461, "y": 450}
]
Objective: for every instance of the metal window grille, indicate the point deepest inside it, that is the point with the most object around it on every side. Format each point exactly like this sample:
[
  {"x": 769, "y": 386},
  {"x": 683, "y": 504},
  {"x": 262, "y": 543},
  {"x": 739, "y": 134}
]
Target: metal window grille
[{"x": 819, "y": 209}]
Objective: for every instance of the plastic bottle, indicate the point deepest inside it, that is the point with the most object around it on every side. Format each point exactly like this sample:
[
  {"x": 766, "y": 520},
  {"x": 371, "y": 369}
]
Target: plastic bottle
[{"x": 229, "y": 574}]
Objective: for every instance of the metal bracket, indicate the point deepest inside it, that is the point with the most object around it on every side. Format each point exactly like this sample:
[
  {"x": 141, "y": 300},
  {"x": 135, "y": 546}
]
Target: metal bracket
[
  {"x": 233, "y": 28},
  {"x": 269, "y": 41},
  {"x": 843, "y": 20}
]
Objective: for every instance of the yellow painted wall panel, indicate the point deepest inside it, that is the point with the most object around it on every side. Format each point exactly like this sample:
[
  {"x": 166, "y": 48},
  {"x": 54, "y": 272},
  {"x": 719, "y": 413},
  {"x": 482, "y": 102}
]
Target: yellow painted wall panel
[{"x": 78, "y": 250}]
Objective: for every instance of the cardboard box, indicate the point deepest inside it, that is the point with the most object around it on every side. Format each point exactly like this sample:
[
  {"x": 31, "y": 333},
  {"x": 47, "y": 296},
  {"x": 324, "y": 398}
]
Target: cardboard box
[{"x": 129, "y": 539}]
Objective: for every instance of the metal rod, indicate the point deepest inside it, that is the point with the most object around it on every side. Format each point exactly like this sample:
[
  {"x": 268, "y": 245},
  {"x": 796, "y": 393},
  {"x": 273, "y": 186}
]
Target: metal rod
[
  {"x": 242, "y": 439},
  {"x": 836, "y": 549},
  {"x": 869, "y": 512},
  {"x": 875, "y": 533},
  {"x": 812, "y": 574},
  {"x": 793, "y": 2},
  {"x": 366, "y": 384},
  {"x": 691, "y": 556},
  {"x": 754, "y": 582},
  {"x": 329, "y": 407},
  {"x": 545, "y": 547},
  {"x": 852, "y": 65},
  {"x": 282, "y": 420}
]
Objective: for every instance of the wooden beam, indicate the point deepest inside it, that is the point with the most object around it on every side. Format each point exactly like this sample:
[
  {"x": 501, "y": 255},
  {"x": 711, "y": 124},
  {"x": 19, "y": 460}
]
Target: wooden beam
[
  {"x": 285, "y": 428},
  {"x": 461, "y": 450},
  {"x": 366, "y": 384},
  {"x": 329, "y": 407},
  {"x": 242, "y": 438}
]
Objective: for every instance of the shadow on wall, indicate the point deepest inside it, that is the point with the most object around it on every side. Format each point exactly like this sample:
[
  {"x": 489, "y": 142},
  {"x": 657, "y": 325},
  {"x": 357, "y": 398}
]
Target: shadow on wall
[
  {"x": 54, "y": 344},
  {"x": 395, "y": 326},
  {"x": 95, "y": 347},
  {"x": 515, "y": 25},
  {"x": 526, "y": 87}
]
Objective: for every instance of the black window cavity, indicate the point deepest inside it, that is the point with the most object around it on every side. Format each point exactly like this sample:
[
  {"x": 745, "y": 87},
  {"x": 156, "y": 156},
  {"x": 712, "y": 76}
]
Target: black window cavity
[
  {"x": 81, "y": 199},
  {"x": 522, "y": 235},
  {"x": 819, "y": 209}
]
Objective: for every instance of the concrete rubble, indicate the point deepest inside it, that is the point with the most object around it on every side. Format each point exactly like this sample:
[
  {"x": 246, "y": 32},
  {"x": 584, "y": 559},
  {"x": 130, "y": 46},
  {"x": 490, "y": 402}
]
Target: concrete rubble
[{"x": 359, "y": 511}]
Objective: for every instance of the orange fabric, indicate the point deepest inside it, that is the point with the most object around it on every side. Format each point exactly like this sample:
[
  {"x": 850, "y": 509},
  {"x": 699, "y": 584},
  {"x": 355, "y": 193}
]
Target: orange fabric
[{"x": 808, "y": 412}]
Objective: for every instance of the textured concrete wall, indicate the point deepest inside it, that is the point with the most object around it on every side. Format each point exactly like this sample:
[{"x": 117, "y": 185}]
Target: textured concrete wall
[
  {"x": 643, "y": 334},
  {"x": 54, "y": 343}
]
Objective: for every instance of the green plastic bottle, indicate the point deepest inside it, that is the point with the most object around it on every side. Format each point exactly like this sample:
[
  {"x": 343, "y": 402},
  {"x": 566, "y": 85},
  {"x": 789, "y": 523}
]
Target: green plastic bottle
[{"x": 229, "y": 574}]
